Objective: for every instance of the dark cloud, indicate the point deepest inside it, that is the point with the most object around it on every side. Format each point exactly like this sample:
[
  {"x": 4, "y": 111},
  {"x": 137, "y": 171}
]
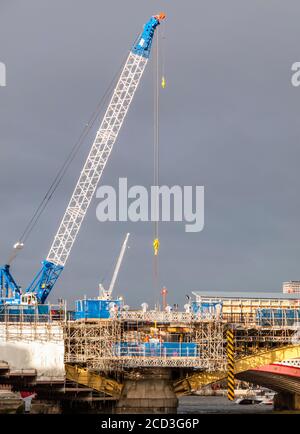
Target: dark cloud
[{"x": 229, "y": 121}]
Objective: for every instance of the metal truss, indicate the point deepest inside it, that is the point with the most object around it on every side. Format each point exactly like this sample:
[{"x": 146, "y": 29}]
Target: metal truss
[
  {"x": 97, "y": 159},
  {"x": 137, "y": 362},
  {"x": 158, "y": 316},
  {"x": 293, "y": 362}
]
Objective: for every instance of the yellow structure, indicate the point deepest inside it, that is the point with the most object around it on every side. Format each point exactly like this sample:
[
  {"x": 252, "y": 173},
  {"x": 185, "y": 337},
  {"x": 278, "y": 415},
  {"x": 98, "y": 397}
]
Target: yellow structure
[
  {"x": 230, "y": 365},
  {"x": 93, "y": 380},
  {"x": 267, "y": 357},
  {"x": 156, "y": 246}
]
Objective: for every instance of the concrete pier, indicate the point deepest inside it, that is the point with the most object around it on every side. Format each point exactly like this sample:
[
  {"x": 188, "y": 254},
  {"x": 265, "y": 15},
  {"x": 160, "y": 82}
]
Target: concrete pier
[
  {"x": 287, "y": 401},
  {"x": 151, "y": 391}
]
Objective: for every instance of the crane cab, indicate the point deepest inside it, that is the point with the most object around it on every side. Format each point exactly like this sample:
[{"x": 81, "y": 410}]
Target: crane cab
[{"x": 29, "y": 299}]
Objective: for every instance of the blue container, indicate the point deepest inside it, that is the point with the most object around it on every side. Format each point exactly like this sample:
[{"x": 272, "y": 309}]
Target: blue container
[
  {"x": 159, "y": 349},
  {"x": 277, "y": 317},
  {"x": 43, "y": 309},
  {"x": 94, "y": 309}
]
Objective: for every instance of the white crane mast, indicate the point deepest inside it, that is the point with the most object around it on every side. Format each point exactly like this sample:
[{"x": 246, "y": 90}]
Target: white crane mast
[
  {"x": 118, "y": 265},
  {"x": 106, "y": 136},
  {"x": 97, "y": 159}
]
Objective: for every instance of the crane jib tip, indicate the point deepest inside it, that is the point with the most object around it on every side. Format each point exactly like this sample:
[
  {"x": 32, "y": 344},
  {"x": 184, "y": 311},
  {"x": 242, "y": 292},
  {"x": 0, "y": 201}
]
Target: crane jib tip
[{"x": 160, "y": 17}]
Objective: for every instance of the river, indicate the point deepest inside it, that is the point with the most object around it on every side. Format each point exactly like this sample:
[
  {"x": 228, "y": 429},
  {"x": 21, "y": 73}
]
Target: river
[{"x": 217, "y": 404}]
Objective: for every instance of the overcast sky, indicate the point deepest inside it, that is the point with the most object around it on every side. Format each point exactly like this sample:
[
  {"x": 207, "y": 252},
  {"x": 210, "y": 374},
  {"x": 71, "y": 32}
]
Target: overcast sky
[{"x": 229, "y": 121}]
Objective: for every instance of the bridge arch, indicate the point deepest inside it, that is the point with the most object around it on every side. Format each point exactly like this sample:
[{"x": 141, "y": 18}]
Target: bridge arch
[{"x": 187, "y": 385}]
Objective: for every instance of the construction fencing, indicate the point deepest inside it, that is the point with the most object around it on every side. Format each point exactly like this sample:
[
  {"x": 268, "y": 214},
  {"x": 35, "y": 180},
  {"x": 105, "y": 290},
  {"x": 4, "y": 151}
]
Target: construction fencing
[{"x": 45, "y": 313}]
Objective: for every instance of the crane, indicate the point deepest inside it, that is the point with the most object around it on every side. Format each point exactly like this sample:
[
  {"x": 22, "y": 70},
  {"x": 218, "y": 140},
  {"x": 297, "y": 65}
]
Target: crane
[
  {"x": 106, "y": 294},
  {"x": 90, "y": 175}
]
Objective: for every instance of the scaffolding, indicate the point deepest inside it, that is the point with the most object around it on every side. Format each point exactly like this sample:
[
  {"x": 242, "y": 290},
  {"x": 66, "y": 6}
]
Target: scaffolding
[
  {"x": 244, "y": 312},
  {"x": 136, "y": 339},
  {"x": 31, "y": 332},
  {"x": 18, "y": 323},
  {"x": 210, "y": 336},
  {"x": 92, "y": 343},
  {"x": 157, "y": 316},
  {"x": 114, "y": 345}
]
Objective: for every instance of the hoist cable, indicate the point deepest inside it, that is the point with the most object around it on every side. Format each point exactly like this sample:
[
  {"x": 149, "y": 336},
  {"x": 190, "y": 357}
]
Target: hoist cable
[{"x": 156, "y": 163}]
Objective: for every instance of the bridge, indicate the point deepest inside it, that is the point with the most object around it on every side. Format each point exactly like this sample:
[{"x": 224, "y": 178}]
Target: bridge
[
  {"x": 143, "y": 361},
  {"x": 266, "y": 368},
  {"x": 277, "y": 369}
]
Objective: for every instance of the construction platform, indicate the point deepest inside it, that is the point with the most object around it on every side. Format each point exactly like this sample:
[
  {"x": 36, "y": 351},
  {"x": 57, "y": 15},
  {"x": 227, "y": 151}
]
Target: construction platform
[{"x": 103, "y": 355}]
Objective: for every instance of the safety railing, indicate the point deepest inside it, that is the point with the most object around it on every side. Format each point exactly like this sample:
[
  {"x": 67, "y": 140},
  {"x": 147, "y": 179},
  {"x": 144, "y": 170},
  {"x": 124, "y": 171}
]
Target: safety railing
[
  {"x": 158, "y": 316},
  {"x": 32, "y": 313},
  {"x": 160, "y": 349}
]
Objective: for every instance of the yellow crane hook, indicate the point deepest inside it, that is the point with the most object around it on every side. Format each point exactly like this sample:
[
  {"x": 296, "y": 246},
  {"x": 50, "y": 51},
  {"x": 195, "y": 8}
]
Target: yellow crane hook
[{"x": 156, "y": 246}]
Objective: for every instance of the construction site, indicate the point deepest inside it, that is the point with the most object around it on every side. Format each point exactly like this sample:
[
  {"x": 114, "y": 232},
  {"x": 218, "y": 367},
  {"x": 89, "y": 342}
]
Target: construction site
[
  {"x": 104, "y": 356},
  {"x": 142, "y": 361}
]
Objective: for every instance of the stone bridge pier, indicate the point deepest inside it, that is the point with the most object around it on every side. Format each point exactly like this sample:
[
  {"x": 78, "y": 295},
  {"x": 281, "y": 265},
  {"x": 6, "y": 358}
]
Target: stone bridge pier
[
  {"x": 148, "y": 391},
  {"x": 287, "y": 401}
]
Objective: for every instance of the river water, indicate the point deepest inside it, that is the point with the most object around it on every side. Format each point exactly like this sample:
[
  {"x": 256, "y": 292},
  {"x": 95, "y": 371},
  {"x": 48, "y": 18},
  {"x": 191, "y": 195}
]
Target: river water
[{"x": 217, "y": 404}]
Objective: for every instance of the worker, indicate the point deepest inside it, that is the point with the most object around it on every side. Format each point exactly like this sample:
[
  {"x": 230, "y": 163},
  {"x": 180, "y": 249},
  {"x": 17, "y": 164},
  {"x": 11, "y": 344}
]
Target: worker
[{"x": 168, "y": 308}]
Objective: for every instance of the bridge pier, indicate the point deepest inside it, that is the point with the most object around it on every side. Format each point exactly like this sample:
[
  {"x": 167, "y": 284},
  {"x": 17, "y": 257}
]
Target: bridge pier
[
  {"x": 287, "y": 401},
  {"x": 149, "y": 391}
]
